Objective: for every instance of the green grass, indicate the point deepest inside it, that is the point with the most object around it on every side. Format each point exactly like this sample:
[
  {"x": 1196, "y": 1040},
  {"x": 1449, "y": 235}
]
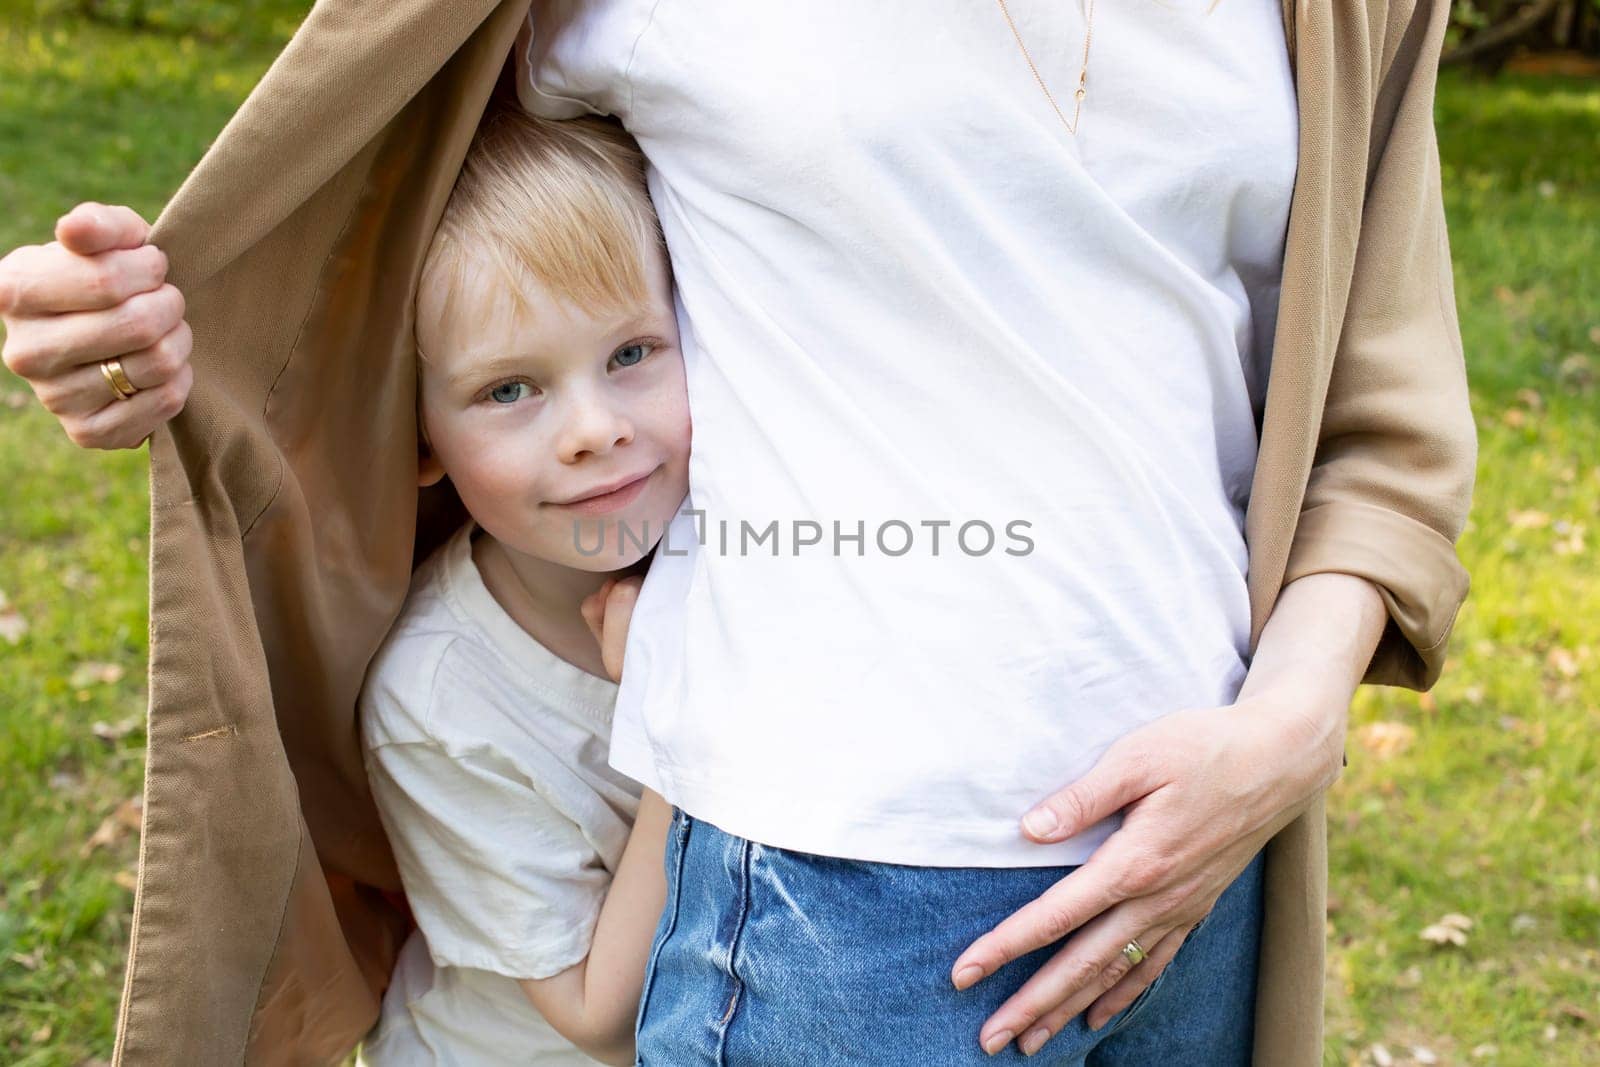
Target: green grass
[{"x": 1493, "y": 811}]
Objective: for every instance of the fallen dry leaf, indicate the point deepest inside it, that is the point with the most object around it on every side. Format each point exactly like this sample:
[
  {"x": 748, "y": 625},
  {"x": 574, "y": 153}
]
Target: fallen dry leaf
[
  {"x": 1563, "y": 661},
  {"x": 104, "y": 834},
  {"x": 87, "y": 674},
  {"x": 1531, "y": 398},
  {"x": 116, "y": 732},
  {"x": 12, "y": 624},
  {"x": 1386, "y": 740},
  {"x": 1443, "y": 935},
  {"x": 16, "y": 401},
  {"x": 1423, "y": 1054},
  {"x": 1380, "y": 1056},
  {"x": 1527, "y": 520},
  {"x": 130, "y": 813},
  {"x": 78, "y": 580},
  {"x": 116, "y": 825},
  {"x": 1449, "y": 930},
  {"x": 30, "y": 961},
  {"x": 126, "y": 879},
  {"x": 1576, "y": 372},
  {"x": 1571, "y": 543},
  {"x": 65, "y": 782},
  {"x": 41, "y": 1035}
]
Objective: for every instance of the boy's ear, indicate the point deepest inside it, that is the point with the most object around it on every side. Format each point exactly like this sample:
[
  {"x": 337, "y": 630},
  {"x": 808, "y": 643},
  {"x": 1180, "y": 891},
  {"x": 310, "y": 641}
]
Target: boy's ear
[{"x": 429, "y": 469}]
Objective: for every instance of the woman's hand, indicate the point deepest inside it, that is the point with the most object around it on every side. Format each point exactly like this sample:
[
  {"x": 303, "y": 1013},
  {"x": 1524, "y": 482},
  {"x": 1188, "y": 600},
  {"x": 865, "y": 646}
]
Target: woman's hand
[
  {"x": 1203, "y": 790},
  {"x": 97, "y": 292}
]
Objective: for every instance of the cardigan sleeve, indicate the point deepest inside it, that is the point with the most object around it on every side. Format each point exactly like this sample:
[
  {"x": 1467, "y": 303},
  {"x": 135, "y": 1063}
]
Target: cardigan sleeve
[{"x": 1392, "y": 477}]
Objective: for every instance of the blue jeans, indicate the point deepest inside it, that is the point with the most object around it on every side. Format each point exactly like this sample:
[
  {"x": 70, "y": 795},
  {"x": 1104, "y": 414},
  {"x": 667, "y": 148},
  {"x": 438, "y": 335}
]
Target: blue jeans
[{"x": 766, "y": 957}]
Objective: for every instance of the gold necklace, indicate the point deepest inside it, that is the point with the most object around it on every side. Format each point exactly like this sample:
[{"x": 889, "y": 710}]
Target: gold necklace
[{"x": 1083, "y": 71}]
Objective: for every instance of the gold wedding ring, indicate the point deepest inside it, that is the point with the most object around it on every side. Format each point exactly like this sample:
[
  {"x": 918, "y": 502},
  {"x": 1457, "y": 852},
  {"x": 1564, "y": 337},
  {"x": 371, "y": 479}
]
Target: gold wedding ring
[
  {"x": 1134, "y": 951},
  {"x": 111, "y": 370}
]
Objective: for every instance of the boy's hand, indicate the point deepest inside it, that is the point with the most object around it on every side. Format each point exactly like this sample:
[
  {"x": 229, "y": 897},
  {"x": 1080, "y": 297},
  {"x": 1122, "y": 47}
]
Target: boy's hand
[
  {"x": 608, "y": 611},
  {"x": 95, "y": 293}
]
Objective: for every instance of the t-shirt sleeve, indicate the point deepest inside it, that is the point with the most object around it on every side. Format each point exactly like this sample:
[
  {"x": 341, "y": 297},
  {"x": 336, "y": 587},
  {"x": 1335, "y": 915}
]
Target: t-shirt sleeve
[
  {"x": 544, "y": 86},
  {"x": 497, "y": 877}
]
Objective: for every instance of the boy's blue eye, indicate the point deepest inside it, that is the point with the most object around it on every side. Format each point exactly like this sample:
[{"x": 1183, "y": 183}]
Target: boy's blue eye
[
  {"x": 508, "y": 392},
  {"x": 628, "y": 355}
]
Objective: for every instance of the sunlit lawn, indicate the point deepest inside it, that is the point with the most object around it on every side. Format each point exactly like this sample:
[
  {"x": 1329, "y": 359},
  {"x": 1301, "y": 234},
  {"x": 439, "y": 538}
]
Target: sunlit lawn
[{"x": 1481, "y": 799}]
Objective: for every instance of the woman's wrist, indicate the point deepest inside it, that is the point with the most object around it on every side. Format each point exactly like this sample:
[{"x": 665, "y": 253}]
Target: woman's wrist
[{"x": 1311, "y": 657}]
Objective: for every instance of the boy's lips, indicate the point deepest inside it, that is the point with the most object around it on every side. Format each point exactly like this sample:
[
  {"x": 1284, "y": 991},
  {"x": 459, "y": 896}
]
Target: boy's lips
[{"x": 608, "y": 498}]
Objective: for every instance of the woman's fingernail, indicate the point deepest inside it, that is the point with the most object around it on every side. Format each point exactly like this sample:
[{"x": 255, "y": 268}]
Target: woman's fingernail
[
  {"x": 1041, "y": 822},
  {"x": 997, "y": 1042},
  {"x": 967, "y": 975},
  {"x": 1035, "y": 1041}
]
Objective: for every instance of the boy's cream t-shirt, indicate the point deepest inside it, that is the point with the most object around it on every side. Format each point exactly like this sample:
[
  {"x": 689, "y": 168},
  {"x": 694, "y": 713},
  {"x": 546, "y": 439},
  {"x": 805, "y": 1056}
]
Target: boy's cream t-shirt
[
  {"x": 986, "y": 394},
  {"x": 487, "y": 758}
]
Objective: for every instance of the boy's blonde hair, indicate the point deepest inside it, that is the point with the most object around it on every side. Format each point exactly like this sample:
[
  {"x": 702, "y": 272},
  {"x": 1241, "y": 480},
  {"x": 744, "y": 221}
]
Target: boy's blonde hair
[{"x": 561, "y": 202}]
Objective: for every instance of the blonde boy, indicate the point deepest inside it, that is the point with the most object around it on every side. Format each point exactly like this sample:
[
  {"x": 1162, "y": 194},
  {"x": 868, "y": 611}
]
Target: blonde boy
[{"x": 551, "y": 392}]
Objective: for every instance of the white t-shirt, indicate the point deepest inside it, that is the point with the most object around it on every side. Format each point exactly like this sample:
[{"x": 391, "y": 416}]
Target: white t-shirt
[
  {"x": 908, "y": 296},
  {"x": 487, "y": 758}
]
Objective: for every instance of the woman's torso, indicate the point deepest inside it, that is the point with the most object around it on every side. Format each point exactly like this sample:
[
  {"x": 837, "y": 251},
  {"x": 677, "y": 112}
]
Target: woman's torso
[{"x": 908, "y": 296}]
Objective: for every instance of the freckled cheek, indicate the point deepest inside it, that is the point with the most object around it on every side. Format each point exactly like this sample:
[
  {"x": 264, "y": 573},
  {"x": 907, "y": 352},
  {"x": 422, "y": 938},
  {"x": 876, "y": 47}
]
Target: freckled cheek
[
  {"x": 662, "y": 411},
  {"x": 502, "y": 468}
]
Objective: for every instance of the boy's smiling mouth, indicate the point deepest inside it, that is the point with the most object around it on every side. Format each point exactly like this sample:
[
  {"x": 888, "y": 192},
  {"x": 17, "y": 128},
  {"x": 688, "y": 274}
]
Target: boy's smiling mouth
[{"x": 610, "y": 497}]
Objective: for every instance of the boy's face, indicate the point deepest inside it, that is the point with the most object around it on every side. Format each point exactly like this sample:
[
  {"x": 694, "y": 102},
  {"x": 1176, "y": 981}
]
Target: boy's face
[{"x": 534, "y": 411}]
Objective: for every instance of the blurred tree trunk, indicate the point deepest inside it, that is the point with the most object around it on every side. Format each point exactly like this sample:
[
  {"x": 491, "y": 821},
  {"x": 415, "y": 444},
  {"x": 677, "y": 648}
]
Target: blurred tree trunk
[{"x": 1491, "y": 46}]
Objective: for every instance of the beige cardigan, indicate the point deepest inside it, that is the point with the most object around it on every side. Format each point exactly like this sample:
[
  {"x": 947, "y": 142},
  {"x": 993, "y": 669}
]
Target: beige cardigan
[{"x": 286, "y": 516}]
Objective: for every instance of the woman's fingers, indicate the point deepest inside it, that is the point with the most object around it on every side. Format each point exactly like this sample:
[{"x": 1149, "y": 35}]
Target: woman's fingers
[
  {"x": 91, "y": 228},
  {"x": 1061, "y": 909},
  {"x": 1135, "y": 982},
  {"x": 1125, "y": 983},
  {"x": 126, "y": 423},
  {"x": 1124, "y": 772},
  {"x": 1089, "y": 964},
  {"x": 98, "y": 260},
  {"x": 40, "y": 349},
  {"x": 83, "y": 390},
  {"x": 38, "y": 280}
]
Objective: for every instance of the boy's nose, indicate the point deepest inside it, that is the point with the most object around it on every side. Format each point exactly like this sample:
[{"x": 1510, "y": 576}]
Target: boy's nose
[{"x": 593, "y": 427}]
